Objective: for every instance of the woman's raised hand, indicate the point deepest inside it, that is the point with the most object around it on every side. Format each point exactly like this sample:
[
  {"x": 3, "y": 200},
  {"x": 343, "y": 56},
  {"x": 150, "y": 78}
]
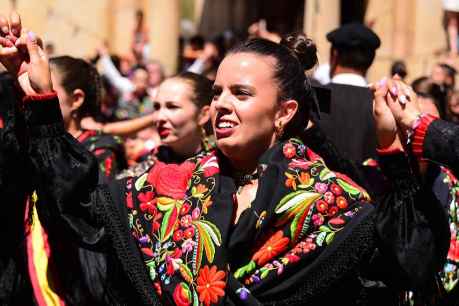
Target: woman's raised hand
[
  {"x": 386, "y": 127},
  {"x": 23, "y": 57},
  {"x": 403, "y": 103}
]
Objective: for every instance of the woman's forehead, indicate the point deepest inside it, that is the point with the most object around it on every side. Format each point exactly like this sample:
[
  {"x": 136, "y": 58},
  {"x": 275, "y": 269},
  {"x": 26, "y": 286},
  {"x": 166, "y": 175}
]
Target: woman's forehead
[{"x": 245, "y": 68}]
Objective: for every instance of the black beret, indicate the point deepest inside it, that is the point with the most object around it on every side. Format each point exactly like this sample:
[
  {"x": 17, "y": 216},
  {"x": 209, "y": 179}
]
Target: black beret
[{"x": 354, "y": 35}]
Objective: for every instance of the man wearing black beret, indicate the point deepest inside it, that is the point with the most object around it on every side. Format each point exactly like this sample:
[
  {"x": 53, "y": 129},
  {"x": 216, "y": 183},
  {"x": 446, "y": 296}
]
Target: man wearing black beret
[{"x": 348, "y": 120}]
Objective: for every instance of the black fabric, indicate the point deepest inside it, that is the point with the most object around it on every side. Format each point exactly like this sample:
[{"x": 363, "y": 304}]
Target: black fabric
[
  {"x": 15, "y": 287},
  {"x": 441, "y": 144},
  {"x": 81, "y": 209},
  {"x": 349, "y": 123}
]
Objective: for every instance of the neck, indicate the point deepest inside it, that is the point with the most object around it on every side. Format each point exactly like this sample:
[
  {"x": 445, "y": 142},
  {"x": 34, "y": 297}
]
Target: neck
[
  {"x": 340, "y": 70},
  {"x": 74, "y": 128},
  {"x": 188, "y": 150}
]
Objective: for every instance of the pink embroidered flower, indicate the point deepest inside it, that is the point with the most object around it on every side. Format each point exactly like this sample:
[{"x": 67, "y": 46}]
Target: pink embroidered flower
[
  {"x": 317, "y": 219},
  {"x": 300, "y": 163},
  {"x": 329, "y": 197},
  {"x": 185, "y": 221},
  {"x": 321, "y": 187},
  {"x": 196, "y": 213},
  {"x": 188, "y": 245},
  {"x": 289, "y": 150}
]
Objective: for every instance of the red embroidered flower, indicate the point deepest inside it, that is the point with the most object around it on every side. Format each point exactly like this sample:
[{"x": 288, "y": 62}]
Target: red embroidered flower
[
  {"x": 129, "y": 202},
  {"x": 341, "y": 202},
  {"x": 170, "y": 179},
  {"x": 182, "y": 295},
  {"x": 157, "y": 286},
  {"x": 322, "y": 206},
  {"x": 148, "y": 202},
  {"x": 289, "y": 150},
  {"x": 337, "y": 190},
  {"x": 210, "y": 165},
  {"x": 178, "y": 235},
  {"x": 185, "y": 209},
  {"x": 189, "y": 232},
  {"x": 333, "y": 210},
  {"x": 273, "y": 247},
  {"x": 211, "y": 285}
]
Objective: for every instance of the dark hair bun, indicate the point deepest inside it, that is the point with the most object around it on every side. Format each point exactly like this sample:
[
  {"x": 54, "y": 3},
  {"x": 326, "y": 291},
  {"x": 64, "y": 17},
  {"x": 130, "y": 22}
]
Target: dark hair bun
[{"x": 302, "y": 47}]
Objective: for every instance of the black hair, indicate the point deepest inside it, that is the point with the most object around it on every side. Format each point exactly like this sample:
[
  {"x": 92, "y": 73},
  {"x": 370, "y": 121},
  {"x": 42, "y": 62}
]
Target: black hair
[
  {"x": 76, "y": 73},
  {"x": 201, "y": 87},
  {"x": 398, "y": 68},
  {"x": 357, "y": 58},
  {"x": 294, "y": 55},
  {"x": 450, "y": 71}
]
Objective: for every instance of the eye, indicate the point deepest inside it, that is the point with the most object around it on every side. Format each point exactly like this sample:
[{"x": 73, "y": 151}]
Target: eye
[
  {"x": 216, "y": 93},
  {"x": 156, "y": 106},
  {"x": 242, "y": 94}
]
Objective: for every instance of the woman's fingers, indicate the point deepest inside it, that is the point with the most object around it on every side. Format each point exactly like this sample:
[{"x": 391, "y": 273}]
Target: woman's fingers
[
  {"x": 4, "y": 27},
  {"x": 15, "y": 24}
]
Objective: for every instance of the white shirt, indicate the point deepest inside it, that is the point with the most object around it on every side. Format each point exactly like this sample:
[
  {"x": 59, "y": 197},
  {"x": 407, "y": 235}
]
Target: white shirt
[{"x": 350, "y": 79}]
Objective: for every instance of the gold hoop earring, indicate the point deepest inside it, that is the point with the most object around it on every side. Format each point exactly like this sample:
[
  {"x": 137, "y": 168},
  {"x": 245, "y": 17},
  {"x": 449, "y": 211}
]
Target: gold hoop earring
[{"x": 204, "y": 139}]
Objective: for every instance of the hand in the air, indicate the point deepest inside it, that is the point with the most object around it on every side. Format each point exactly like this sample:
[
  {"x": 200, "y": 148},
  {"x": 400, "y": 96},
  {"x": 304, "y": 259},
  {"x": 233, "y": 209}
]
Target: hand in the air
[{"x": 23, "y": 57}]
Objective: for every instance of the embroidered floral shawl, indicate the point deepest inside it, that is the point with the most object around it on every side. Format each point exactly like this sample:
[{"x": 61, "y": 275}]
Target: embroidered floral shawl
[{"x": 182, "y": 219}]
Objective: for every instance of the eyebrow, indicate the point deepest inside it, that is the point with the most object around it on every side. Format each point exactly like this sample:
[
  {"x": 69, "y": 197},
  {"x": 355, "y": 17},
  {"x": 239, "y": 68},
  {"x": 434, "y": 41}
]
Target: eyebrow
[{"x": 241, "y": 86}]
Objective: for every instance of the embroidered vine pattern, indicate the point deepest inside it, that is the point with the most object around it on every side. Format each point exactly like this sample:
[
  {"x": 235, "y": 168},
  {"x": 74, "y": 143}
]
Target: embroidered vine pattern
[
  {"x": 178, "y": 239},
  {"x": 320, "y": 203}
]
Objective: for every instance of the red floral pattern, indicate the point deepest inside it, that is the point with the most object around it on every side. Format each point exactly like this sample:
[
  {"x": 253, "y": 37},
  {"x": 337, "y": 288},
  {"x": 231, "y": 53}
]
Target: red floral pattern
[
  {"x": 171, "y": 180},
  {"x": 211, "y": 285}
]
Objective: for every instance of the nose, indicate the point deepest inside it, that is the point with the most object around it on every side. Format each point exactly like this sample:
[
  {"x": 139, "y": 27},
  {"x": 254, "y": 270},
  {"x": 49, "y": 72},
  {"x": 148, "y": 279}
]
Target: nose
[
  {"x": 223, "y": 104},
  {"x": 160, "y": 116}
]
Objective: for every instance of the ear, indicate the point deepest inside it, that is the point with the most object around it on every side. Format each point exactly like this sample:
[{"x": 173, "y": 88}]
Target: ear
[
  {"x": 78, "y": 97},
  {"x": 286, "y": 112},
  {"x": 204, "y": 115}
]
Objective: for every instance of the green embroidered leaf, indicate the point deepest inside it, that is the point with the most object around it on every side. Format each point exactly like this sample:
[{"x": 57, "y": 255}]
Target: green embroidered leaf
[
  {"x": 195, "y": 298},
  {"x": 293, "y": 199},
  {"x": 245, "y": 269},
  {"x": 330, "y": 238},
  {"x": 320, "y": 238},
  {"x": 209, "y": 247},
  {"x": 152, "y": 269},
  {"x": 324, "y": 228},
  {"x": 168, "y": 224},
  {"x": 326, "y": 174},
  {"x": 213, "y": 231},
  {"x": 140, "y": 181},
  {"x": 186, "y": 273},
  {"x": 264, "y": 274},
  {"x": 348, "y": 187}
]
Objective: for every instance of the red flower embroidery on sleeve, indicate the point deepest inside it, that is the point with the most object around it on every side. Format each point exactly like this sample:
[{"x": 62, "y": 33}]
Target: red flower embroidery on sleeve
[
  {"x": 273, "y": 247},
  {"x": 211, "y": 285}
]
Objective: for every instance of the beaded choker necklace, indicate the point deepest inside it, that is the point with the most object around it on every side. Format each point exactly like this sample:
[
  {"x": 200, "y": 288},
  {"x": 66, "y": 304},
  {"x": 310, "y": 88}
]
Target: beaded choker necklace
[{"x": 242, "y": 179}]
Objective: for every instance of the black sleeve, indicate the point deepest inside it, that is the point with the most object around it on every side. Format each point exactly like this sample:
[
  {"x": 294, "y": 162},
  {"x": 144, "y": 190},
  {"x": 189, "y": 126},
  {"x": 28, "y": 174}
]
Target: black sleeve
[
  {"x": 69, "y": 197},
  {"x": 411, "y": 227},
  {"x": 441, "y": 144},
  {"x": 74, "y": 201}
]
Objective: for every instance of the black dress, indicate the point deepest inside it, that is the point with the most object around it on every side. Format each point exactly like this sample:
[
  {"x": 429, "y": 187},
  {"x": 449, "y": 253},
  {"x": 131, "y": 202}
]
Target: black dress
[{"x": 308, "y": 237}]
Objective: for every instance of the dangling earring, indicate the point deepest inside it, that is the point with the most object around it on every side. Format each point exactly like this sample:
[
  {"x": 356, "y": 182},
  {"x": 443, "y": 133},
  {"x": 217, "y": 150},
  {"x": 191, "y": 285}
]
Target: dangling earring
[
  {"x": 74, "y": 114},
  {"x": 279, "y": 130}
]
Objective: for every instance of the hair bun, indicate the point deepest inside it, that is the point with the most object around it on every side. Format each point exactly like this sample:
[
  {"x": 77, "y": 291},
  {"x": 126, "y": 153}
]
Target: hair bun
[{"x": 302, "y": 47}]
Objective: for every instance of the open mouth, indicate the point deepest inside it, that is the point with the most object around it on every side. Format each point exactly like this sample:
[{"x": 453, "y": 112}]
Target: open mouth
[
  {"x": 163, "y": 132},
  {"x": 224, "y": 127}
]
